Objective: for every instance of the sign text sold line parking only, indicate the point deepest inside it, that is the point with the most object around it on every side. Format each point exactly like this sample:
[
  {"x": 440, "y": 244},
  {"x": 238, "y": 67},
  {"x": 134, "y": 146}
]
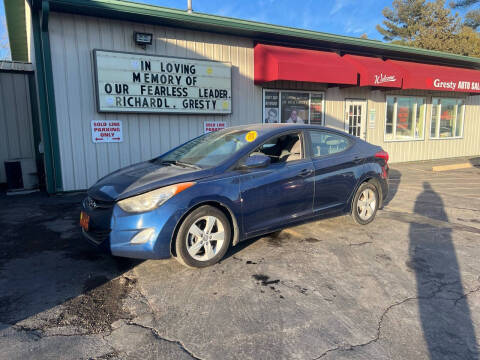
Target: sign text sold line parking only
[{"x": 107, "y": 131}]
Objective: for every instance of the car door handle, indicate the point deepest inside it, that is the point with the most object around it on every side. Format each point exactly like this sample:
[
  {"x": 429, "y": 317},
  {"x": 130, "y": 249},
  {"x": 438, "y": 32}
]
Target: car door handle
[{"x": 305, "y": 173}]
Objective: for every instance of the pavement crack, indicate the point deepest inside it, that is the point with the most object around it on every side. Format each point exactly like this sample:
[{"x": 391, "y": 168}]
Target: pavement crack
[
  {"x": 154, "y": 331},
  {"x": 440, "y": 286},
  {"x": 360, "y": 244},
  {"x": 465, "y": 295},
  {"x": 158, "y": 336},
  {"x": 349, "y": 347}
]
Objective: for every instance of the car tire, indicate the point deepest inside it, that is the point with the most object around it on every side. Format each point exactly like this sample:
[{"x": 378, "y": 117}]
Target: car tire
[
  {"x": 195, "y": 245},
  {"x": 365, "y": 204}
]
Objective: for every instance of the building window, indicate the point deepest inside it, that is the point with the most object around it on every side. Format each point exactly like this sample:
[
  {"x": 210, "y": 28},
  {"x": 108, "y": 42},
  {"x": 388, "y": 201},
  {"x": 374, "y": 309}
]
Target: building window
[
  {"x": 281, "y": 106},
  {"x": 447, "y": 118},
  {"x": 405, "y": 118}
]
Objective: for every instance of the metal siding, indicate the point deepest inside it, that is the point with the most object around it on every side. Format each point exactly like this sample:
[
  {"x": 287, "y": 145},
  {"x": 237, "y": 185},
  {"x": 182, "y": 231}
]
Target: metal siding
[
  {"x": 16, "y": 134},
  {"x": 73, "y": 37}
]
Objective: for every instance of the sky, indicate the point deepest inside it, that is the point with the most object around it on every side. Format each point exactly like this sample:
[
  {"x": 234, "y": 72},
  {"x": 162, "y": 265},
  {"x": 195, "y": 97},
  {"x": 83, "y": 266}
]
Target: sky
[{"x": 343, "y": 17}]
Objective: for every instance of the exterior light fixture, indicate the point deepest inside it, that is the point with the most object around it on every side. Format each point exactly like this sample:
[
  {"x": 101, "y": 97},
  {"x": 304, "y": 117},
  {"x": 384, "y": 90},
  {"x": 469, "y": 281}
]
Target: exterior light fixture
[{"x": 142, "y": 39}]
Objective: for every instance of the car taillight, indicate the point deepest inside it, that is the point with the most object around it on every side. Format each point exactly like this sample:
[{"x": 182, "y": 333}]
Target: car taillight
[{"x": 382, "y": 155}]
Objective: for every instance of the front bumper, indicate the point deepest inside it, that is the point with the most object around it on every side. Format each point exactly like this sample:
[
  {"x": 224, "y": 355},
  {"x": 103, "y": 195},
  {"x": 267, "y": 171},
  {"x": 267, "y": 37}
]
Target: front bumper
[{"x": 112, "y": 229}]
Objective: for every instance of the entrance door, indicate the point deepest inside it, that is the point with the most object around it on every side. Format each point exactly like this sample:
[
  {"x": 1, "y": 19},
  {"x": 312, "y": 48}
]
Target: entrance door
[{"x": 355, "y": 117}]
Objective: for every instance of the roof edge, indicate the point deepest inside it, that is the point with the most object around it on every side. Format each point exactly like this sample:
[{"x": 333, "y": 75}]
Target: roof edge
[
  {"x": 17, "y": 29},
  {"x": 257, "y": 30}
]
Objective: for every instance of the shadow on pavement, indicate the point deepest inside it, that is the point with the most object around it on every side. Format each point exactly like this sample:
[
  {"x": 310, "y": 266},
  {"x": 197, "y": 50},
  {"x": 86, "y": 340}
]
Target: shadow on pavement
[
  {"x": 45, "y": 262},
  {"x": 394, "y": 178},
  {"x": 475, "y": 161},
  {"x": 444, "y": 313}
]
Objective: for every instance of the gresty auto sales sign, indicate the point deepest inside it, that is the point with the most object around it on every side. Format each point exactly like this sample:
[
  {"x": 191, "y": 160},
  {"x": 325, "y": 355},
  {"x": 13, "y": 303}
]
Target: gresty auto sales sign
[
  {"x": 141, "y": 83},
  {"x": 460, "y": 85}
]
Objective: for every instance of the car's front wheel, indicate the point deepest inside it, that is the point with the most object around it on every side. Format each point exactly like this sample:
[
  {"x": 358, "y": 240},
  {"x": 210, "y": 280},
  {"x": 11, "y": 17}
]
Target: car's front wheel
[
  {"x": 203, "y": 237},
  {"x": 365, "y": 204}
]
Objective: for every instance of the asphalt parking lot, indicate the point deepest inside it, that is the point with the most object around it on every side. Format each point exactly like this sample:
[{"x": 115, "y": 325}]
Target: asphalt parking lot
[{"x": 406, "y": 286}]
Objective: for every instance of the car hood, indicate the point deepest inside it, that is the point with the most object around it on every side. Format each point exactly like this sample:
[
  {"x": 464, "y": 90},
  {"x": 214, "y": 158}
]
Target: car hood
[{"x": 142, "y": 177}]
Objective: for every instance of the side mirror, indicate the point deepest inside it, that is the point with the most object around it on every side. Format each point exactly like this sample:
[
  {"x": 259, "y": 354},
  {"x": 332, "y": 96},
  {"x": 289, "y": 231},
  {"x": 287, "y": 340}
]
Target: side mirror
[{"x": 256, "y": 161}]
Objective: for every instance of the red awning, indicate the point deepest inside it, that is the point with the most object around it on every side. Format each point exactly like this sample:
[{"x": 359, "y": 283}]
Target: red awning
[
  {"x": 435, "y": 77},
  {"x": 284, "y": 63},
  {"x": 376, "y": 72}
]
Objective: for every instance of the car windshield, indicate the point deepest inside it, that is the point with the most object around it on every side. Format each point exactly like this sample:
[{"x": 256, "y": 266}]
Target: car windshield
[{"x": 206, "y": 151}]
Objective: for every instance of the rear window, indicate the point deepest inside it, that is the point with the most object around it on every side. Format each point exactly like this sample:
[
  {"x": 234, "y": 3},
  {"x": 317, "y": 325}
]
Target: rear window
[{"x": 325, "y": 143}]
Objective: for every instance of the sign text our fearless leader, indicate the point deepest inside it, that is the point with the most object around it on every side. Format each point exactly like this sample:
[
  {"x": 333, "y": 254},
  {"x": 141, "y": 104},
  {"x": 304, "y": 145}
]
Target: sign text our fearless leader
[{"x": 159, "y": 84}]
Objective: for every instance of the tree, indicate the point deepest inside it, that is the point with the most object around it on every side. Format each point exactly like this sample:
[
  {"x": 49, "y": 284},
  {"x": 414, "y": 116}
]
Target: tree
[
  {"x": 472, "y": 17},
  {"x": 402, "y": 22},
  {"x": 4, "y": 43},
  {"x": 428, "y": 25}
]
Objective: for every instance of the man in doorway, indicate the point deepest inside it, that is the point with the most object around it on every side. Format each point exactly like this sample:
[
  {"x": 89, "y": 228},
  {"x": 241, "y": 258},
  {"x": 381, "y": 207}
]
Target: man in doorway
[{"x": 294, "y": 118}]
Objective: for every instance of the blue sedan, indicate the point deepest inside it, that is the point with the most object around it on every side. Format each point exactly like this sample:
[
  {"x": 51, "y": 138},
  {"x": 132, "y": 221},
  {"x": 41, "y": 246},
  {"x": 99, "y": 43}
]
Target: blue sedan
[{"x": 216, "y": 190}]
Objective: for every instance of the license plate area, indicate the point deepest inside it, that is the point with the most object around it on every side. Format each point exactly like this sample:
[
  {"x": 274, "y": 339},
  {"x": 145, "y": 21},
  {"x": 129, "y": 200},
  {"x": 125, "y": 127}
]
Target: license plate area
[{"x": 84, "y": 220}]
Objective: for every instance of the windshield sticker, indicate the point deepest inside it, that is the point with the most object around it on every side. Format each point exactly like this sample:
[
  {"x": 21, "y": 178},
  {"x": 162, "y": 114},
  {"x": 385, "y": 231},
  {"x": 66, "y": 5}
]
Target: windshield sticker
[{"x": 251, "y": 136}]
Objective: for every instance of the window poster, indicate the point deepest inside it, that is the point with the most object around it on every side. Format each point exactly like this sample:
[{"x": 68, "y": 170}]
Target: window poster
[
  {"x": 271, "y": 107},
  {"x": 295, "y": 107},
  {"x": 402, "y": 117},
  {"x": 316, "y": 109}
]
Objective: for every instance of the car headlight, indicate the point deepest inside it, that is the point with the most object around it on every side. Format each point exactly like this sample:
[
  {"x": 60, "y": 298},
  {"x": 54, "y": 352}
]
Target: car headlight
[{"x": 152, "y": 199}]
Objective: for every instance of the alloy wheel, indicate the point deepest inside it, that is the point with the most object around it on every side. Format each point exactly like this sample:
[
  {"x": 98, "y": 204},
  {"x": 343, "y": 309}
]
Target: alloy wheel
[
  {"x": 366, "y": 204},
  {"x": 205, "y": 238}
]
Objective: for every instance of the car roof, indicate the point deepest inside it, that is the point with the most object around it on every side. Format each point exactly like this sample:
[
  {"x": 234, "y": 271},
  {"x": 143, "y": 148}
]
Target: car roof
[{"x": 272, "y": 129}]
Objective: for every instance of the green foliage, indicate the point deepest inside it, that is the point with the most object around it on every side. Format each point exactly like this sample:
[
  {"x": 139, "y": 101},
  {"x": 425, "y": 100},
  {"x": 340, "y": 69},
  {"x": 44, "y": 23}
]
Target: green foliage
[
  {"x": 429, "y": 25},
  {"x": 472, "y": 17}
]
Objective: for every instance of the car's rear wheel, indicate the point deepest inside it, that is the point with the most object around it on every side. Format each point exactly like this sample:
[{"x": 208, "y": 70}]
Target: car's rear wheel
[
  {"x": 203, "y": 237},
  {"x": 365, "y": 204}
]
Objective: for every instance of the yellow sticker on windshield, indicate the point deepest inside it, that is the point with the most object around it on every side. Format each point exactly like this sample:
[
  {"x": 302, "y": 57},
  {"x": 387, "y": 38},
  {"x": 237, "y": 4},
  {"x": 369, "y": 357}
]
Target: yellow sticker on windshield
[{"x": 251, "y": 135}]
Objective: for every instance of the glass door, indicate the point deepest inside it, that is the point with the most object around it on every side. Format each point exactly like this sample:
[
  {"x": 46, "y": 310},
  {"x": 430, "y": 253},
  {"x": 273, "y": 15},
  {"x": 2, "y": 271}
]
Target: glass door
[{"x": 355, "y": 117}]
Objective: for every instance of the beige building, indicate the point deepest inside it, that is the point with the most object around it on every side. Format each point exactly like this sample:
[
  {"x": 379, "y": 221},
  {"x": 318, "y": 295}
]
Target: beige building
[{"x": 121, "y": 82}]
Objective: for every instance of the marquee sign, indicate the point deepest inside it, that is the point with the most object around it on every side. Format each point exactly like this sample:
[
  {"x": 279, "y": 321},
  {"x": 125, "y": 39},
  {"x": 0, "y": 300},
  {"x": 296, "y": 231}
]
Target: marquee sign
[{"x": 137, "y": 83}]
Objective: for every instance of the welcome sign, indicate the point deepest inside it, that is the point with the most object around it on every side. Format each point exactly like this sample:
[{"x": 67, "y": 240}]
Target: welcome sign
[{"x": 137, "y": 83}]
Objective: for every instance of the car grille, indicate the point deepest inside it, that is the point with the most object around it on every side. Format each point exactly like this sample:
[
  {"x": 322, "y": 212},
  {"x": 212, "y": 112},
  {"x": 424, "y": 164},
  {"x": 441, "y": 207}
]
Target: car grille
[
  {"x": 100, "y": 213},
  {"x": 97, "y": 236}
]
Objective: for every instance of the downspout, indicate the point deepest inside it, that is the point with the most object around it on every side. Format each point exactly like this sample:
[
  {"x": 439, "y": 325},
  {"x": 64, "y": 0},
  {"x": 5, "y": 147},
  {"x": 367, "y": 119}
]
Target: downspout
[{"x": 43, "y": 60}]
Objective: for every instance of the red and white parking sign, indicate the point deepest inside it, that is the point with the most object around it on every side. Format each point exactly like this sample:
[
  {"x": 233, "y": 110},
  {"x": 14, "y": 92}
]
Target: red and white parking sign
[
  {"x": 209, "y": 126},
  {"x": 105, "y": 131}
]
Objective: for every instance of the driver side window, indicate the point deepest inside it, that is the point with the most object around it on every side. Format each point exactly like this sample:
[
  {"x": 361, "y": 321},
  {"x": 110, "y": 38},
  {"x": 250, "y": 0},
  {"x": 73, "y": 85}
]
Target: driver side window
[{"x": 283, "y": 148}]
